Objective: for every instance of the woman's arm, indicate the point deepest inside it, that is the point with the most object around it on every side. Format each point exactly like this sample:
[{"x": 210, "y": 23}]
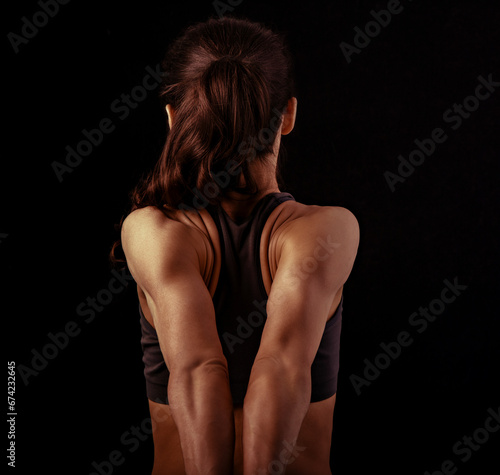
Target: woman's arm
[
  {"x": 165, "y": 258},
  {"x": 316, "y": 256}
]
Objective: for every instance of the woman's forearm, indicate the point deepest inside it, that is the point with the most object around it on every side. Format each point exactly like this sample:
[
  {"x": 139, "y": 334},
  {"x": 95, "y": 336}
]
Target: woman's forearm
[
  {"x": 201, "y": 405},
  {"x": 275, "y": 405}
]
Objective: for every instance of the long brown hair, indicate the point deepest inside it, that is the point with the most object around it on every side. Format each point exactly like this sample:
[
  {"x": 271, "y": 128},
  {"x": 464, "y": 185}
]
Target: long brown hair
[{"x": 228, "y": 81}]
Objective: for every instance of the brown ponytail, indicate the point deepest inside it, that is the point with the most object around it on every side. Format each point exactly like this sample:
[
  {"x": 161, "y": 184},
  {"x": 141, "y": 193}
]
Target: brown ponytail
[{"x": 228, "y": 81}]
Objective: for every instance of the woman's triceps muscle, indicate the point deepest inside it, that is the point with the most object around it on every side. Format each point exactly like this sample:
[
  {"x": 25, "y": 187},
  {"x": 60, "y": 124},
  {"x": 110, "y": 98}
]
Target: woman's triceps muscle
[
  {"x": 164, "y": 257},
  {"x": 317, "y": 253}
]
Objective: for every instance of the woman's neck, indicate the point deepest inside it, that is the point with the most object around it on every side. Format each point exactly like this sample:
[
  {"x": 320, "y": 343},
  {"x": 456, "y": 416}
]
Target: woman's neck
[{"x": 239, "y": 206}]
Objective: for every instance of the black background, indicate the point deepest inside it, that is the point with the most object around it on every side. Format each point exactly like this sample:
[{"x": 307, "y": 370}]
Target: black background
[{"x": 354, "y": 119}]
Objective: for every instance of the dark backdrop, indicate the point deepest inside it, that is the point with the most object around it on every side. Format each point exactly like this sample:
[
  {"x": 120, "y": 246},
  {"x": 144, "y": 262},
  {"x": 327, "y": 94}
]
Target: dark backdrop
[{"x": 82, "y": 402}]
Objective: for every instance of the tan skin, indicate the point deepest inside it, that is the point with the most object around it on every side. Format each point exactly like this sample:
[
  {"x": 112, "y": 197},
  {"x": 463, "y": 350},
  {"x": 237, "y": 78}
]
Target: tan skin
[{"x": 241, "y": 439}]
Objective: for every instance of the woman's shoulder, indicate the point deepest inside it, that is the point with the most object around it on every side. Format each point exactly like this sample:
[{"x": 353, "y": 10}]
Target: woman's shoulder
[
  {"x": 151, "y": 228},
  {"x": 308, "y": 224},
  {"x": 155, "y": 222},
  {"x": 293, "y": 215},
  {"x": 301, "y": 226},
  {"x": 156, "y": 235},
  {"x": 150, "y": 223},
  {"x": 308, "y": 230}
]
